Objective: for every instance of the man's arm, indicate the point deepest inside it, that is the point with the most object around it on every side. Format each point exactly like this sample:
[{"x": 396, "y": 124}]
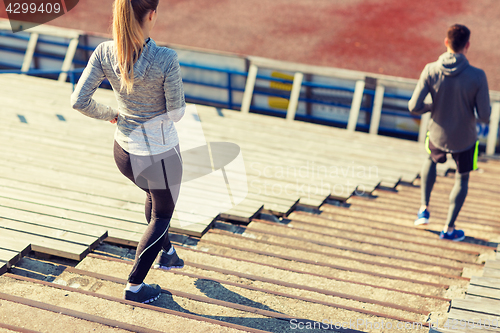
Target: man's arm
[
  {"x": 482, "y": 102},
  {"x": 416, "y": 104}
]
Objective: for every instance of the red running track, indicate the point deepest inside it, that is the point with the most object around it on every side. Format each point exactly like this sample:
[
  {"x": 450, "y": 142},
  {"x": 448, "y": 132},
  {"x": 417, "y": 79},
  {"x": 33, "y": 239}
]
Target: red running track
[{"x": 394, "y": 37}]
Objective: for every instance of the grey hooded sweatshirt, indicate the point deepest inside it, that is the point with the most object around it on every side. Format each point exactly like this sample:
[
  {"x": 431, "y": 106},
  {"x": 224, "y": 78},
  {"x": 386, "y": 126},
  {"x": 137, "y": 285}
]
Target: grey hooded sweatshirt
[
  {"x": 457, "y": 88},
  {"x": 145, "y": 118}
]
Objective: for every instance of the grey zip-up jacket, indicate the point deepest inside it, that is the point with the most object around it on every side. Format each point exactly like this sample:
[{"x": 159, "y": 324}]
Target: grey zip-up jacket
[
  {"x": 146, "y": 118},
  {"x": 457, "y": 88}
]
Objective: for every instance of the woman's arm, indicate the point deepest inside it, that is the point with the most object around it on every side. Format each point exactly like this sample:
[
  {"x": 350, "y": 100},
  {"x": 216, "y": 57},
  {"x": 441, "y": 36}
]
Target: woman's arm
[
  {"x": 174, "y": 90},
  {"x": 81, "y": 98}
]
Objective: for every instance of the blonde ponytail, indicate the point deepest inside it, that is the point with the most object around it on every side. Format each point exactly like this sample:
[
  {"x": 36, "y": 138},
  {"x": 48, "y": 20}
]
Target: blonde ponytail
[{"x": 128, "y": 36}]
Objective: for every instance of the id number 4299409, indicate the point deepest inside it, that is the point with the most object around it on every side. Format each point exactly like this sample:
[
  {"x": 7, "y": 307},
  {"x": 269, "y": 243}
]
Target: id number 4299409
[{"x": 33, "y": 8}]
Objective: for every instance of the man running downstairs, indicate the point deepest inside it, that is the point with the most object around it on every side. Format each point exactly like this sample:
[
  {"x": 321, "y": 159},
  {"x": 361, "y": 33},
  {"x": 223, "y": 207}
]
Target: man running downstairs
[{"x": 457, "y": 88}]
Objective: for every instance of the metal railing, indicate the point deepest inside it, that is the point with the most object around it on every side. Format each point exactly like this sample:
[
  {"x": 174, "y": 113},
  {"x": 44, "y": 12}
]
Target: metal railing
[
  {"x": 374, "y": 109},
  {"x": 71, "y": 73},
  {"x": 231, "y": 104}
]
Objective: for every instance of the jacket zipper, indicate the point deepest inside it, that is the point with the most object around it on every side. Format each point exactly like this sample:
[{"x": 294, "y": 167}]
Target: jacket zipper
[{"x": 162, "y": 135}]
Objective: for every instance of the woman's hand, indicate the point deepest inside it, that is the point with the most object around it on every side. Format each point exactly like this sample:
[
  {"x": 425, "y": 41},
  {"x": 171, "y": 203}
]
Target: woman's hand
[{"x": 114, "y": 120}]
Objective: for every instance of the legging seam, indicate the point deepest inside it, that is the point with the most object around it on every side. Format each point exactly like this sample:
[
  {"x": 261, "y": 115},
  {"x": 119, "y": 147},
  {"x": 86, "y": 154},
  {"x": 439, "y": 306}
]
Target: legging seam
[
  {"x": 178, "y": 155},
  {"x": 166, "y": 229}
]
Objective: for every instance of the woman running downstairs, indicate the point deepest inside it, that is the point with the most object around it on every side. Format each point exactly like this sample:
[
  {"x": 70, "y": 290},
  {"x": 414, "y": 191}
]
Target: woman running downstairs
[{"x": 148, "y": 86}]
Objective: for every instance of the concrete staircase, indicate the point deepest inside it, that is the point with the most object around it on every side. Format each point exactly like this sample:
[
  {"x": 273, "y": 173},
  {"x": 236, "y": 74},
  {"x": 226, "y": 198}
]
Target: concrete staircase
[
  {"x": 357, "y": 263},
  {"x": 304, "y": 260}
]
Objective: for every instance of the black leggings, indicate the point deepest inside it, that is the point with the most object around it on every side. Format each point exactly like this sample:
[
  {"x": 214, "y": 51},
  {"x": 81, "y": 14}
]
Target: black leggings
[
  {"x": 160, "y": 177},
  {"x": 457, "y": 195}
]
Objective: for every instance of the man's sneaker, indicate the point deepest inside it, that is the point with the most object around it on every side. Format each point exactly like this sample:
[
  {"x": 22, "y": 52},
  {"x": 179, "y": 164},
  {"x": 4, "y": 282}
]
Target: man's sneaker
[
  {"x": 456, "y": 235},
  {"x": 169, "y": 261},
  {"x": 147, "y": 293},
  {"x": 422, "y": 218}
]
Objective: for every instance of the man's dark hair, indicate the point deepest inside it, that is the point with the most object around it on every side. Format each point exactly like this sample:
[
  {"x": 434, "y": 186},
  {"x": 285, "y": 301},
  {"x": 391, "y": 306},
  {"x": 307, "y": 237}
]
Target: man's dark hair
[{"x": 458, "y": 36}]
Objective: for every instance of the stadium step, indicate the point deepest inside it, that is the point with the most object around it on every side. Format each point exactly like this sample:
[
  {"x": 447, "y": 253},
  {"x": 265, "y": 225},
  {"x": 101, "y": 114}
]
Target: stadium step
[
  {"x": 231, "y": 302},
  {"x": 335, "y": 262},
  {"x": 205, "y": 276},
  {"x": 99, "y": 300},
  {"x": 374, "y": 242},
  {"x": 11, "y": 251},
  {"x": 479, "y": 310},
  {"x": 314, "y": 260},
  {"x": 19, "y": 314}
]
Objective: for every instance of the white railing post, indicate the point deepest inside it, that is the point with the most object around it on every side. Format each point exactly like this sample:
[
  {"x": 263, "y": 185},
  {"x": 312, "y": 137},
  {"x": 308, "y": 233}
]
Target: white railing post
[
  {"x": 491, "y": 142},
  {"x": 294, "y": 96},
  {"x": 377, "y": 109},
  {"x": 68, "y": 59},
  {"x": 356, "y": 105},
  {"x": 30, "y": 50},
  {"x": 247, "y": 95}
]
